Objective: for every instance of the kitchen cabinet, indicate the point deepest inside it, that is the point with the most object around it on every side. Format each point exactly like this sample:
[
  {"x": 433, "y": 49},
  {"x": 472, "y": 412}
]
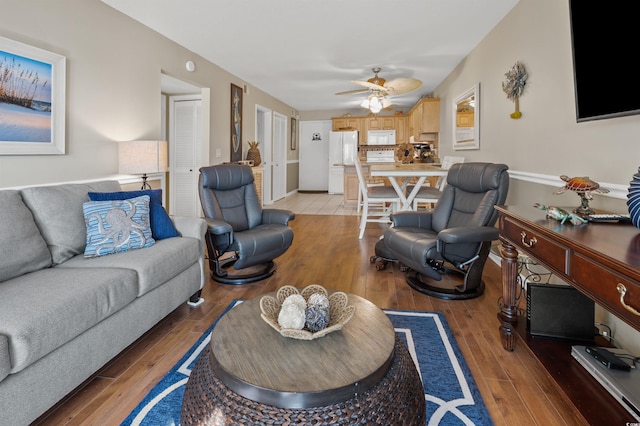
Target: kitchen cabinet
[
  {"x": 415, "y": 118},
  {"x": 351, "y": 184},
  {"x": 422, "y": 122},
  {"x": 380, "y": 123},
  {"x": 341, "y": 124},
  {"x": 424, "y": 117},
  {"x": 401, "y": 129},
  {"x": 430, "y": 115}
]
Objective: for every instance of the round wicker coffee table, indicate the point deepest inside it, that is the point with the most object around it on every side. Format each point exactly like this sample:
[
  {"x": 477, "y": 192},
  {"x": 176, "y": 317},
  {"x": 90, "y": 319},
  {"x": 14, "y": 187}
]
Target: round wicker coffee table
[{"x": 250, "y": 374}]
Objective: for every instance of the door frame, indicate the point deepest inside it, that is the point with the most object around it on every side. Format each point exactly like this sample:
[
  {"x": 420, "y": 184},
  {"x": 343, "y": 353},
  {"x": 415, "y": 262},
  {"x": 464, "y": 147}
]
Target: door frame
[
  {"x": 279, "y": 150},
  {"x": 263, "y": 129}
]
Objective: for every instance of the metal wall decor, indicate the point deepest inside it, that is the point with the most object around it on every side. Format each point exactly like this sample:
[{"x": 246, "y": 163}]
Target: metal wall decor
[
  {"x": 513, "y": 86},
  {"x": 236, "y": 123}
]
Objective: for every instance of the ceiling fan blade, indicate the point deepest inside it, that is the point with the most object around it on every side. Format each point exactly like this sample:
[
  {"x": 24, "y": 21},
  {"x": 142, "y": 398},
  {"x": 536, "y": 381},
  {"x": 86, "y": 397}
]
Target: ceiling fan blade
[
  {"x": 399, "y": 86},
  {"x": 353, "y": 92},
  {"x": 371, "y": 86}
]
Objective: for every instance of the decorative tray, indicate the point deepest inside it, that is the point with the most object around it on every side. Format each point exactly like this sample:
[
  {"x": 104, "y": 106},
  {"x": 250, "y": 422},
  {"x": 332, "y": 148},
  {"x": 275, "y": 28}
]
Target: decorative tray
[{"x": 339, "y": 313}]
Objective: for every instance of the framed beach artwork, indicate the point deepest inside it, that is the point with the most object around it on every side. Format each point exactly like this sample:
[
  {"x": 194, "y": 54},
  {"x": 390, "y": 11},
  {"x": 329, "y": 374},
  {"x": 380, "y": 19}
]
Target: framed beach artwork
[
  {"x": 236, "y": 123},
  {"x": 32, "y": 100}
]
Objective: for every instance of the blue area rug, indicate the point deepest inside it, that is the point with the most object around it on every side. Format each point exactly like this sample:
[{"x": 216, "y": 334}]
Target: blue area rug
[{"x": 451, "y": 394}]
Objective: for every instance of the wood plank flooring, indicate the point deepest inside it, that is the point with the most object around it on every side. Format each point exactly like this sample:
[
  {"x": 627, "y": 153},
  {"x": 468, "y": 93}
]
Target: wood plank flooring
[{"x": 326, "y": 250}]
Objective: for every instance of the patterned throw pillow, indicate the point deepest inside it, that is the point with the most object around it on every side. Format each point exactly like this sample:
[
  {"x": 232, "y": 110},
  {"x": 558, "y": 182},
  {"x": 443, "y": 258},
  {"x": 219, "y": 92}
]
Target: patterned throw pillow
[
  {"x": 161, "y": 224},
  {"x": 117, "y": 226}
]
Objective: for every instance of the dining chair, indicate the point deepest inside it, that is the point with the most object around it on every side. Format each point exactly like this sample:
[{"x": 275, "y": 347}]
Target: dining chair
[
  {"x": 370, "y": 182},
  {"x": 378, "y": 202},
  {"x": 431, "y": 194}
]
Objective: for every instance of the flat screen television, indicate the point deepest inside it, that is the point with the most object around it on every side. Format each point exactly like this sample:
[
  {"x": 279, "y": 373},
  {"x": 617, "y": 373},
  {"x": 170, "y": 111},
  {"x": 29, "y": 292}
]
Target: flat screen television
[{"x": 604, "y": 43}]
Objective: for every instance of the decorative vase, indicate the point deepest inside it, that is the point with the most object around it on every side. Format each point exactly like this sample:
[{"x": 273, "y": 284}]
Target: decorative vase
[
  {"x": 254, "y": 153},
  {"x": 633, "y": 199}
]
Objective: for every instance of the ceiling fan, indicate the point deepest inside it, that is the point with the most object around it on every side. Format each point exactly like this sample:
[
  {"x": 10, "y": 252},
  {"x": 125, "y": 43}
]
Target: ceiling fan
[
  {"x": 397, "y": 86},
  {"x": 380, "y": 88}
]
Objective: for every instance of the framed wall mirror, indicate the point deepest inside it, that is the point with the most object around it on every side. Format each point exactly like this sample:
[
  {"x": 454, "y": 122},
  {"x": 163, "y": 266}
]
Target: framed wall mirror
[{"x": 466, "y": 119}]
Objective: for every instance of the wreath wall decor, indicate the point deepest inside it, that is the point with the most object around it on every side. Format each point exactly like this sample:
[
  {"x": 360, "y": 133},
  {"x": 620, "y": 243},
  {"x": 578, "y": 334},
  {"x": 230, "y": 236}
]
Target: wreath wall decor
[{"x": 513, "y": 86}]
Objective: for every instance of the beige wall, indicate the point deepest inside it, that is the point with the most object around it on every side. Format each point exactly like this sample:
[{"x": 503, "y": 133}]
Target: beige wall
[
  {"x": 546, "y": 141},
  {"x": 113, "y": 87}
]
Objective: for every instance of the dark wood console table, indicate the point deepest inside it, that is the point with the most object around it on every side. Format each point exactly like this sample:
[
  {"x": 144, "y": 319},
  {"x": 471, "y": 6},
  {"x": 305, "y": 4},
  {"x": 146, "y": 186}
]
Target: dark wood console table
[{"x": 602, "y": 260}]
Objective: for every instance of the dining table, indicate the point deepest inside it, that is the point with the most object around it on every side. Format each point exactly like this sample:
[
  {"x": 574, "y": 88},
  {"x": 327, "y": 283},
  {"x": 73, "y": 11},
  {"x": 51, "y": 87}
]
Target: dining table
[{"x": 400, "y": 174}]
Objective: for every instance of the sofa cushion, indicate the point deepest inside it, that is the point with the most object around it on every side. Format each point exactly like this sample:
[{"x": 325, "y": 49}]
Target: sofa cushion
[
  {"x": 154, "y": 265},
  {"x": 57, "y": 211},
  {"x": 161, "y": 224},
  {"x": 23, "y": 248},
  {"x": 45, "y": 309},
  {"x": 117, "y": 226}
]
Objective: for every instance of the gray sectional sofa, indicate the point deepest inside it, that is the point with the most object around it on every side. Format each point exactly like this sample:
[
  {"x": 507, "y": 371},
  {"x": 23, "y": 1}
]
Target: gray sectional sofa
[{"x": 63, "y": 316}]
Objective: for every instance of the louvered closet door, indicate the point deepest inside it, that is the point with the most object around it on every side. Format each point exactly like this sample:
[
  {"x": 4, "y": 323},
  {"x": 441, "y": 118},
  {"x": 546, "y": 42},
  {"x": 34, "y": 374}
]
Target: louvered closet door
[{"x": 185, "y": 157}]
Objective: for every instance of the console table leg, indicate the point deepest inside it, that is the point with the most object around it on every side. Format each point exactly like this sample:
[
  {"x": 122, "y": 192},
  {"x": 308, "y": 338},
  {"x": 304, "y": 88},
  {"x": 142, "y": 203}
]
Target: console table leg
[{"x": 508, "y": 314}]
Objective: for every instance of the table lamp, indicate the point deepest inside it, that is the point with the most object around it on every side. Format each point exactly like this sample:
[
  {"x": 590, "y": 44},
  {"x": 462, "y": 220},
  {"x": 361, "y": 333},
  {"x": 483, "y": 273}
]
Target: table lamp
[{"x": 142, "y": 157}]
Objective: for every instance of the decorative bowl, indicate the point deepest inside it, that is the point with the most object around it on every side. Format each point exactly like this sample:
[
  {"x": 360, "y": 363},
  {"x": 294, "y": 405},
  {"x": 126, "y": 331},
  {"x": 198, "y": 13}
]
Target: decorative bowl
[{"x": 339, "y": 312}]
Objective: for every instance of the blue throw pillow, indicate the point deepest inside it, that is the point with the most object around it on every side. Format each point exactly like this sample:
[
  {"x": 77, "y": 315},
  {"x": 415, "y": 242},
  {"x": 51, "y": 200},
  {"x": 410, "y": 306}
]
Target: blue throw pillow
[
  {"x": 117, "y": 226},
  {"x": 161, "y": 224}
]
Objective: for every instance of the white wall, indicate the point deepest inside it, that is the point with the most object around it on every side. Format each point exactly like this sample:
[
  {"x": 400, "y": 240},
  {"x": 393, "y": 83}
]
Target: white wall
[{"x": 113, "y": 86}]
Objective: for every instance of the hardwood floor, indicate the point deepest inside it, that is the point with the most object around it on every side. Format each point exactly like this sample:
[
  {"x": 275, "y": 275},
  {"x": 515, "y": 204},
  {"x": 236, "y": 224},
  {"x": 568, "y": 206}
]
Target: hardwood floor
[{"x": 326, "y": 250}]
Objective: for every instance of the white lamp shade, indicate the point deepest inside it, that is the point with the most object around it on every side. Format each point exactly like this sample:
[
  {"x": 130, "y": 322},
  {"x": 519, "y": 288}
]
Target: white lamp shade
[
  {"x": 141, "y": 157},
  {"x": 374, "y": 105}
]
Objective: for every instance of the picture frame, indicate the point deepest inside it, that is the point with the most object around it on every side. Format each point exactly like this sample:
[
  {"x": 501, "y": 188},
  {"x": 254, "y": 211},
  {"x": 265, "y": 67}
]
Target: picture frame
[
  {"x": 236, "y": 123},
  {"x": 466, "y": 119},
  {"x": 294, "y": 133},
  {"x": 32, "y": 113}
]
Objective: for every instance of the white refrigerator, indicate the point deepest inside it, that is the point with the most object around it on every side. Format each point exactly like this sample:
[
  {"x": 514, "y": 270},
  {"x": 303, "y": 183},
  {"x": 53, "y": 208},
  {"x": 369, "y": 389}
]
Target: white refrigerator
[{"x": 343, "y": 149}]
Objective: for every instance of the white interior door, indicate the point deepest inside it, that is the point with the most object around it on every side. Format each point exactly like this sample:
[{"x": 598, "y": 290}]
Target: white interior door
[
  {"x": 313, "y": 173},
  {"x": 185, "y": 160},
  {"x": 279, "y": 164}
]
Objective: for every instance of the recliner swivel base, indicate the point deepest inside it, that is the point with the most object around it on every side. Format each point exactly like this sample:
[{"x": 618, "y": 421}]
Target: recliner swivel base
[
  {"x": 443, "y": 292},
  {"x": 226, "y": 274}
]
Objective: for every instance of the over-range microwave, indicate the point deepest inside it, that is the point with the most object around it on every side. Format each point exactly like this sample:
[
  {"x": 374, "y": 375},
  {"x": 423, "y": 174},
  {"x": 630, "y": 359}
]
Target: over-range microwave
[{"x": 381, "y": 137}]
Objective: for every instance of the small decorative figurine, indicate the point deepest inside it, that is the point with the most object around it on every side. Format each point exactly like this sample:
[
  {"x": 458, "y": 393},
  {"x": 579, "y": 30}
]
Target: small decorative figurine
[
  {"x": 584, "y": 187},
  {"x": 560, "y": 214},
  {"x": 405, "y": 153}
]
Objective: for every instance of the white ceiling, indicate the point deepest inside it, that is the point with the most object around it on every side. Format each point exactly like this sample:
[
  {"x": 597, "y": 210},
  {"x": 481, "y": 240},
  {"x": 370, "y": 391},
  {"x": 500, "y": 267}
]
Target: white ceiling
[{"x": 304, "y": 51}]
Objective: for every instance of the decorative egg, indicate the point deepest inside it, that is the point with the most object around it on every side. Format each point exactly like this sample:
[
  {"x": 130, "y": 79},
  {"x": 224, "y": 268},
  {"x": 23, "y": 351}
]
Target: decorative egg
[
  {"x": 291, "y": 316},
  {"x": 317, "y": 318},
  {"x": 296, "y": 299},
  {"x": 319, "y": 300}
]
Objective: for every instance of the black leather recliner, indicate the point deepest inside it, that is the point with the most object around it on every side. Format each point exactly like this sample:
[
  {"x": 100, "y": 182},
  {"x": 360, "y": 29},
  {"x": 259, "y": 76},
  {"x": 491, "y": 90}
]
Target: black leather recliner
[
  {"x": 237, "y": 224},
  {"x": 457, "y": 232}
]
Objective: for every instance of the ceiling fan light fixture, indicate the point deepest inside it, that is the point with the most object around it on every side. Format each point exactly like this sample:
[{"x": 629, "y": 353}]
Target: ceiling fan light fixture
[{"x": 375, "y": 105}]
